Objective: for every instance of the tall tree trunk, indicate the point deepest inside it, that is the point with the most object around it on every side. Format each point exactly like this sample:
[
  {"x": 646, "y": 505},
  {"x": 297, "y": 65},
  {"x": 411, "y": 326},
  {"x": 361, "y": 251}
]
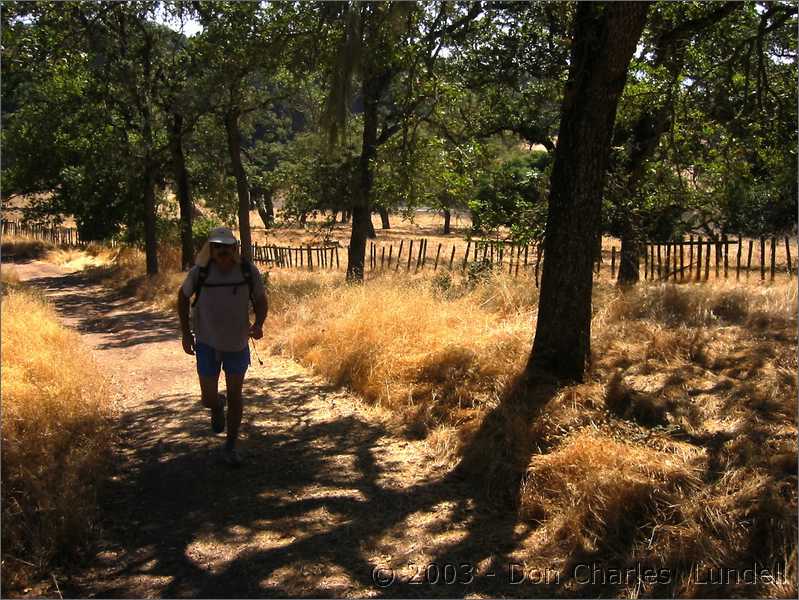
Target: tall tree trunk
[
  {"x": 242, "y": 189},
  {"x": 629, "y": 260},
  {"x": 263, "y": 204},
  {"x": 150, "y": 236},
  {"x": 150, "y": 239},
  {"x": 384, "y": 218},
  {"x": 183, "y": 192},
  {"x": 477, "y": 222},
  {"x": 605, "y": 36},
  {"x": 447, "y": 218},
  {"x": 649, "y": 128},
  {"x": 361, "y": 211}
]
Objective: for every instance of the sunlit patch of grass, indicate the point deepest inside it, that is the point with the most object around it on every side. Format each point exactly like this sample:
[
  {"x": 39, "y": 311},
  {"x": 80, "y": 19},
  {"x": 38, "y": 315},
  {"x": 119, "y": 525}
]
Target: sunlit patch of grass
[{"x": 56, "y": 437}]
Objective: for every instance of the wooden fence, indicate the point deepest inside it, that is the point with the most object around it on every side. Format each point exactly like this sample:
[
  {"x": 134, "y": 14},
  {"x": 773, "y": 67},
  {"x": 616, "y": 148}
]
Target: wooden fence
[
  {"x": 689, "y": 260},
  {"x": 675, "y": 260},
  {"x": 59, "y": 236}
]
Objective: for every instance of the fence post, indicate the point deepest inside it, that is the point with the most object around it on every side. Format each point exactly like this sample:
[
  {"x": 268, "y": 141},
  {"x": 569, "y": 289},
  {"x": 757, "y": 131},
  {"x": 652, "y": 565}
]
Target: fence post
[
  {"x": 773, "y": 257},
  {"x": 682, "y": 260},
  {"x": 390, "y": 252},
  {"x": 382, "y": 257},
  {"x": 438, "y": 253},
  {"x": 410, "y": 255},
  {"x": 399, "y": 255},
  {"x": 698, "y": 258},
  {"x": 613, "y": 262},
  {"x": 668, "y": 260},
  {"x": 337, "y": 263},
  {"x": 788, "y": 255},
  {"x": 762, "y": 258},
  {"x": 738, "y": 258},
  {"x": 452, "y": 257},
  {"x": 749, "y": 258},
  {"x": 726, "y": 255},
  {"x": 465, "y": 255},
  {"x": 510, "y": 261},
  {"x": 717, "y": 245},
  {"x": 660, "y": 271},
  {"x": 707, "y": 260}
]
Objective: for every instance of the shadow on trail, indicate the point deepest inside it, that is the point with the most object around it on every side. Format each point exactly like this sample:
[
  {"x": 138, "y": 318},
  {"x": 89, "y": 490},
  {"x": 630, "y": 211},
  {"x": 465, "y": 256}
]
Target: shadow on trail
[
  {"x": 101, "y": 310},
  {"x": 314, "y": 509},
  {"x": 311, "y": 513}
]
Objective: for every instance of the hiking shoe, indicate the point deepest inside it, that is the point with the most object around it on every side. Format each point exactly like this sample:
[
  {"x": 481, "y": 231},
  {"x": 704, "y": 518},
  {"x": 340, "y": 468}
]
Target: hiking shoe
[
  {"x": 231, "y": 456},
  {"x": 218, "y": 415}
]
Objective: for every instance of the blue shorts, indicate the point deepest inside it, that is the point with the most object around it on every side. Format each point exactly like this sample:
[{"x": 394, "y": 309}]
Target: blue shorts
[{"x": 210, "y": 361}]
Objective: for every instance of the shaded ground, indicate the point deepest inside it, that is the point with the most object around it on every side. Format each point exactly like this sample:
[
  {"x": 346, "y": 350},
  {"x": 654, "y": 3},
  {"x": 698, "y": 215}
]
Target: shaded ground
[{"x": 330, "y": 502}]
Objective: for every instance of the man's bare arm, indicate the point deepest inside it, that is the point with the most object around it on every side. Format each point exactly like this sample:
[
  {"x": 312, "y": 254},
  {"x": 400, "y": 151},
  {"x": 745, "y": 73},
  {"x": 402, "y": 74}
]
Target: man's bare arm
[
  {"x": 183, "y": 314},
  {"x": 261, "y": 306}
]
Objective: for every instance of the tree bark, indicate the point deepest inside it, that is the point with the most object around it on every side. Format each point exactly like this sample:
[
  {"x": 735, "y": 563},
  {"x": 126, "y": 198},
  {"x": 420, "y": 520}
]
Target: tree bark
[
  {"x": 604, "y": 39},
  {"x": 242, "y": 188},
  {"x": 183, "y": 192},
  {"x": 477, "y": 223},
  {"x": 629, "y": 261},
  {"x": 384, "y": 218},
  {"x": 649, "y": 128},
  {"x": 362, "y": 227},
  {"x": 447, "y": 217},
  {"x": 263, "y": 204},
  {"x": 150, "y": 239}
]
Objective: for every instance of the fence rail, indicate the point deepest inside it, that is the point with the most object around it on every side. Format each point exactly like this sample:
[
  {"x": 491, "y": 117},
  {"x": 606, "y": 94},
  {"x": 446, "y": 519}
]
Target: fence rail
[{"x": 674, "y": 260}]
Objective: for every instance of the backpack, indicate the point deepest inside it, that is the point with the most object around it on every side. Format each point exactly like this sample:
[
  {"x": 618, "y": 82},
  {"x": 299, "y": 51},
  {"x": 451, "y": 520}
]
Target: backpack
[{"x": 246, "y": 272}]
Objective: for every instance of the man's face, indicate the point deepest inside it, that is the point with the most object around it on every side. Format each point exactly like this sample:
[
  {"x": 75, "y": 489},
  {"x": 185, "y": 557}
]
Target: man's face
[{"x": 222, "y": 255}]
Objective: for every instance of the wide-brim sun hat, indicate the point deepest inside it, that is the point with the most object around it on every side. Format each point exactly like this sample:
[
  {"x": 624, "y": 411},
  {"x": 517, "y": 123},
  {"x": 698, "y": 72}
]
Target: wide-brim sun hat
[
  {"x": 218, "y": 235},
  {"x": 222, "y": 235}
]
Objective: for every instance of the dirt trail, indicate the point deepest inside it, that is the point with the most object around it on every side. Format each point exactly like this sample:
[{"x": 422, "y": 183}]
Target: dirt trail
[{"x": 327, "y": 496}]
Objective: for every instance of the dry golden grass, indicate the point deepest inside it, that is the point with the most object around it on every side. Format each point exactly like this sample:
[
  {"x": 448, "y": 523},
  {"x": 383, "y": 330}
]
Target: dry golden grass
[
  {"x": 678, "y": 452},
  {"x": 56, "y": 437},
  {"x": 124, "y": 268},
  {"x": 93, "y": 255},
  {"x": 432, "y": 351},
  {"x": 23, "y": 248}
]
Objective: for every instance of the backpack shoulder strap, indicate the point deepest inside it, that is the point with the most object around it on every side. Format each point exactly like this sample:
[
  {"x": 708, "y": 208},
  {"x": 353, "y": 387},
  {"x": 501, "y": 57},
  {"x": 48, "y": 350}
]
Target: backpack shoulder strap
[{"x": 202, "y": 275}]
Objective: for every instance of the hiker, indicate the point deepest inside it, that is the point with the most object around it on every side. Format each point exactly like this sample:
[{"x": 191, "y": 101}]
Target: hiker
[{"x": 223, "y": 284}]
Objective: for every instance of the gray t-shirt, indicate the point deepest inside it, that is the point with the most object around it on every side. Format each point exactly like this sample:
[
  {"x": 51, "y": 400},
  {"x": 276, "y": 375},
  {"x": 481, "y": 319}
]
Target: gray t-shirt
[{"x": 221, "y": 317}]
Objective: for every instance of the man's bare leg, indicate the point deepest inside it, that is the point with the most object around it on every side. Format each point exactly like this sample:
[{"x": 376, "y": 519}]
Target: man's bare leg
[
  {"x": 234, "y": 382},
  {"x": 209, "y": 388}
]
